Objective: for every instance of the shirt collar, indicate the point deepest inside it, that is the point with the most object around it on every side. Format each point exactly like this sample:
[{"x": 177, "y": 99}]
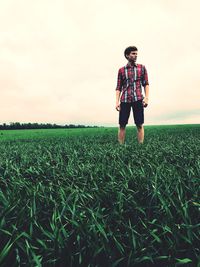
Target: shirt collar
[{"x": 128, "y": 65}]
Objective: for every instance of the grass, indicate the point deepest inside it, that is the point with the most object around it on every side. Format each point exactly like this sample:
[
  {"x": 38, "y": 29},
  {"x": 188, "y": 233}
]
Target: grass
[{"x": 74, "y": 197}]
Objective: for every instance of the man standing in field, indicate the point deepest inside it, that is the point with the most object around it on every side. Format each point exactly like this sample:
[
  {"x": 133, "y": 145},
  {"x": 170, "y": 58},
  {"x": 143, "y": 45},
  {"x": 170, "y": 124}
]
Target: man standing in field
[{"x": 130, "y": 80}]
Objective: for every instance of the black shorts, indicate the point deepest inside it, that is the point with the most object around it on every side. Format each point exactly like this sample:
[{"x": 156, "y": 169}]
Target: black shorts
[{"x": 138, "y": 113}]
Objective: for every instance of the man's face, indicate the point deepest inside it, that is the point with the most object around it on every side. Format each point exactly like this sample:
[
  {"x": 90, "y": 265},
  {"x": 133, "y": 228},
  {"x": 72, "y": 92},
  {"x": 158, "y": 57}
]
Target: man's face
[{"x": 132, "y": 57}]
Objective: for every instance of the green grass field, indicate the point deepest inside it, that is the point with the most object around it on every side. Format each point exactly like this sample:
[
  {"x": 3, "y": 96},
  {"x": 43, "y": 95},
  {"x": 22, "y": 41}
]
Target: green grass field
[{"x": 75, "y": 197}]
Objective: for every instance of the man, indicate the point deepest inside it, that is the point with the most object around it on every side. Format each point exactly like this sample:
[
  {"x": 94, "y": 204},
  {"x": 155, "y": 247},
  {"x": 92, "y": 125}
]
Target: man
[{"x": 130, "y": 80}]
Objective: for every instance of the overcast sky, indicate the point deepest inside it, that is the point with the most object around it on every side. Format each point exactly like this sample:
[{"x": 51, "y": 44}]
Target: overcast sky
[{"x": 59, "y": 59}]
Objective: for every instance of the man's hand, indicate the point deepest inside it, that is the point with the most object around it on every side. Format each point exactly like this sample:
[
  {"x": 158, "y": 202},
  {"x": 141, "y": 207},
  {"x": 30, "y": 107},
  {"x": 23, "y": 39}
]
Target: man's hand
[
  {"x": 145, "y": 102},
  {"x": 117, "y": 107}
]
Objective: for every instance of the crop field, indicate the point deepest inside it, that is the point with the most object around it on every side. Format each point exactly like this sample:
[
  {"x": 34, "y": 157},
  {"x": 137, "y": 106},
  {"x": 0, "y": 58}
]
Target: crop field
[{"x": 75, "y": 197}]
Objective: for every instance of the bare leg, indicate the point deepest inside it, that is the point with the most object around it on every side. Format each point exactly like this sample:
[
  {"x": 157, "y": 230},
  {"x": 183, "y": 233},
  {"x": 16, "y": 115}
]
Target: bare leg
[
  {"x": 140, "y": 133},
  {"x": 121, "y": 135}
]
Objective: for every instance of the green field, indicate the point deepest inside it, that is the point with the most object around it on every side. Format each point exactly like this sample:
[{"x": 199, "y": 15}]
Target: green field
[{"x": 75, "y": 197}]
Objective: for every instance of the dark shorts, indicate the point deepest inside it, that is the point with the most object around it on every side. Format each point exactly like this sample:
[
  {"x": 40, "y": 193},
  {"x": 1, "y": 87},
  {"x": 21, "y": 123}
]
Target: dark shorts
[{"x": 138, "y": 113}]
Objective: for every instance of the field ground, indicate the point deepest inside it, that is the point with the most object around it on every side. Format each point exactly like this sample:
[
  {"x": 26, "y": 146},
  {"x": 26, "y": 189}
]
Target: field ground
[{"x": 75, "y": 197}]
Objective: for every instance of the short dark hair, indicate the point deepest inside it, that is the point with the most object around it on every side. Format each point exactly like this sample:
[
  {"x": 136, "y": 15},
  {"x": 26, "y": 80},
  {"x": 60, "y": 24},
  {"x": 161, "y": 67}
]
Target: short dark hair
[{"x": 129, "y": 49}]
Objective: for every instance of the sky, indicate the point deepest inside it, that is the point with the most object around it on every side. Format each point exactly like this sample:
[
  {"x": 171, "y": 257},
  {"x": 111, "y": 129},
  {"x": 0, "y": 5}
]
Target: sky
[{"x": 59, "y": 59}]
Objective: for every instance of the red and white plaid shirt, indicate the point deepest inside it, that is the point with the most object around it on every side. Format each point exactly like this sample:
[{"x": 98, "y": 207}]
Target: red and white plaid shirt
[{"x": 130, "y": 81}]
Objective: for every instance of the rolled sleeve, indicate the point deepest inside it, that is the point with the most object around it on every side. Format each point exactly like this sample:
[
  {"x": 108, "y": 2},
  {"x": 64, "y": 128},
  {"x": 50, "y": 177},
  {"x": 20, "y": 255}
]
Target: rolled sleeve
[
  {"x": 119, "y": 81},
  {"x": 145, "y": 80}
]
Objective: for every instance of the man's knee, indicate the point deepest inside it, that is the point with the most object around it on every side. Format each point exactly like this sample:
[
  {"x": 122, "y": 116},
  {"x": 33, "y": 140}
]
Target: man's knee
[
  {"x": 139, "y": 126},
  {"x": 122, "y": 127}
]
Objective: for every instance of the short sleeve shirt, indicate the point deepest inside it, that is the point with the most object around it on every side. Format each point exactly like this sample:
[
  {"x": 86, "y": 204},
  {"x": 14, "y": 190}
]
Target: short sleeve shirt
[{"x": 130, "y": 80}]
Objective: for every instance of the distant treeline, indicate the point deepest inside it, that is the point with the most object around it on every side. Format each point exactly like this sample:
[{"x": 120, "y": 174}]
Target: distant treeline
[{"x": 18, "y": 125}]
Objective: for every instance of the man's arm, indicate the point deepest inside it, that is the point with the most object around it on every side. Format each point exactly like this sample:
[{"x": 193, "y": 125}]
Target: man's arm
[
  {"x": 146, "y": 90},
  {"x": 118, "y": 100},
  {"x": 118, "y": 90},
  {"x": 145, "y": 83},
  {"x": 146, "y": 98}
]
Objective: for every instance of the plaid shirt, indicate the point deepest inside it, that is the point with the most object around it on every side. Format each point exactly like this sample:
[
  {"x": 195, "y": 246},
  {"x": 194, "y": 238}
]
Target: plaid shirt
[{"x": 130, "y": 81}]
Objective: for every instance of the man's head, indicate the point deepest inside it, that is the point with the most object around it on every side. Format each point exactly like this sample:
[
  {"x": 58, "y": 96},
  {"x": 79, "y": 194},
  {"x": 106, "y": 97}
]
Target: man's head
[{"x": 130, "y": 53}]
